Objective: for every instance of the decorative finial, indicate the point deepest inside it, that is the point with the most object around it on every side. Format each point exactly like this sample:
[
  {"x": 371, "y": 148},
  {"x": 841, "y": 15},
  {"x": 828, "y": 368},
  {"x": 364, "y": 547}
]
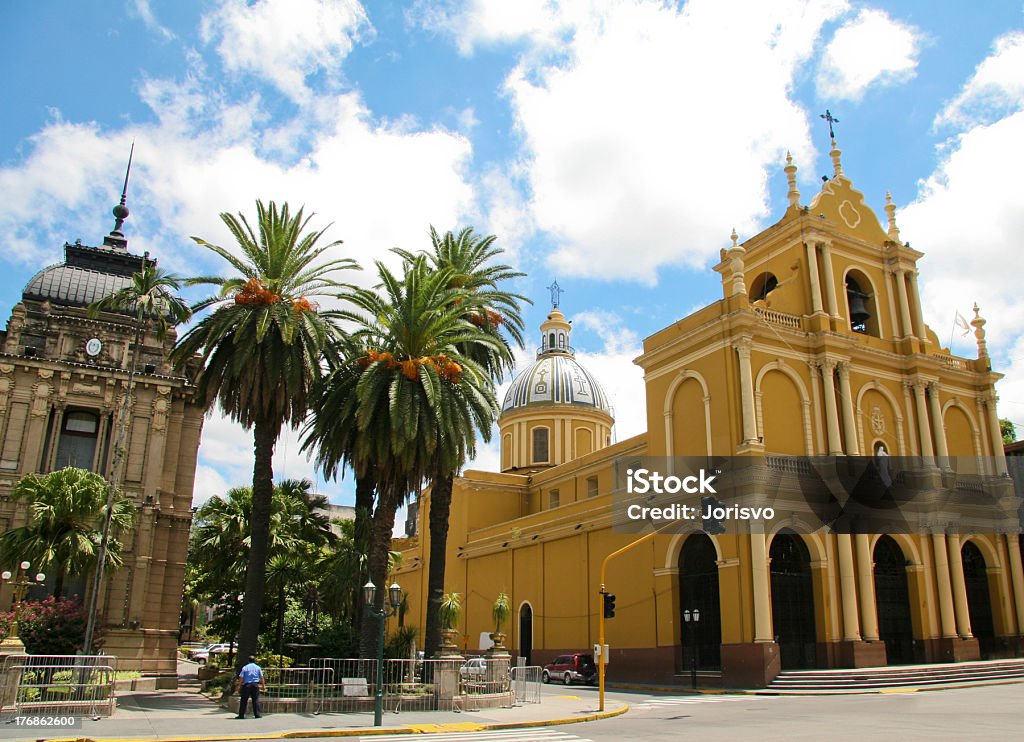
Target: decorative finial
[
  {"x": 556, "y": 292},
  {"x": 116, "y": 236},
  {"x": 790, "y": 169},
  {"x": 734, "y": 237},
  {"x": 837, "y": 164},
  {"x": 978, "y": 323},
  {"x": 890, "y": 209}
]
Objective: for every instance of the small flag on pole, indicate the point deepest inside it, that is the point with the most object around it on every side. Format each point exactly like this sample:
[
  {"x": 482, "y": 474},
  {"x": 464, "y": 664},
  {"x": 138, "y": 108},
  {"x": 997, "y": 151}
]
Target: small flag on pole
[{"x": 962, "y": 323}]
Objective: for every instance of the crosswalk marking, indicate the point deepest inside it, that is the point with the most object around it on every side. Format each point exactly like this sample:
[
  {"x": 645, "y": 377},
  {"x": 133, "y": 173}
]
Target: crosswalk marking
[
  {"x": 502, "y": 735},
  {"x": 656, "y": 703}
]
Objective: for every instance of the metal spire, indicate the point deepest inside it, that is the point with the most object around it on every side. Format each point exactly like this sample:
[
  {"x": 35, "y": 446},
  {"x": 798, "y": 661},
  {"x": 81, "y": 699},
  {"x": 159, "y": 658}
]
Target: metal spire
[{"x": 121, "y": 210}]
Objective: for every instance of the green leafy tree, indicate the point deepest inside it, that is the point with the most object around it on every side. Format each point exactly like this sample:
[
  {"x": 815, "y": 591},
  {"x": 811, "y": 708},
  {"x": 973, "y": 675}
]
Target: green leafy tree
[
  {"x": 469, "y": 258},
  {"x": 221, "y": 542},
  {"x": 401, "y": 395},
  {"x": 261, "y": 348},
  {"x": 1008, "y": 430},
  {"x": 65, "y": 524}
]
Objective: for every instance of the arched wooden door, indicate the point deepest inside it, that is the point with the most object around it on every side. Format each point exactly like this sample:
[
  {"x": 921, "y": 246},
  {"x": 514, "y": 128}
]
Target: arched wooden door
[
  {"x": 892, "y": 598},
  {"x": 525, "y": 631},
  {"x": 793, "y": 601},
  {"x": 979, "y": 601},
  {"x": 698, "y": 589}
]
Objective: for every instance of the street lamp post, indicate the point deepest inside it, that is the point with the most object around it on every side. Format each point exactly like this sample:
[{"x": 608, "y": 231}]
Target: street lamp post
[
  {"x": 21, "y": 581},
  {"x": 691, "y": 619},
  {"x": 394, "y": 598}
]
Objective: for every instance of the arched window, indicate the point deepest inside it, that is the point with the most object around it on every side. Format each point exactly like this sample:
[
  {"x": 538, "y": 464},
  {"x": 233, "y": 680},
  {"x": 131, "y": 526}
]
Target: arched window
[
  {"x": 540, "y": 446},
  {"x": 763, "y": 285},
  {"x": 561, "y": 340},
  {"x": 551, "y": 341}
]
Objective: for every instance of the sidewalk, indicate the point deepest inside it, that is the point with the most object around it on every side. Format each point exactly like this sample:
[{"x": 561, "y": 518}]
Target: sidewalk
[{"x": 188, "y": 716}]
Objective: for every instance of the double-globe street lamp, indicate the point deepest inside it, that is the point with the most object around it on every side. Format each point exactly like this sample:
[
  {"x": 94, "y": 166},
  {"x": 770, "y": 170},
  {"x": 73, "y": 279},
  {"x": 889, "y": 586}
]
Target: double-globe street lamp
[
  {"x": 691, "y": 619},
  {"x": 390, "y": 608},
  {"x": 21, "y": 581}
]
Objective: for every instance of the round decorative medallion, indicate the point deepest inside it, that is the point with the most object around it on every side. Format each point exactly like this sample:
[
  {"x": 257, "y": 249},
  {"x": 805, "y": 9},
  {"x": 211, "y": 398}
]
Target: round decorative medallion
[{"x": 93, "y": 346}]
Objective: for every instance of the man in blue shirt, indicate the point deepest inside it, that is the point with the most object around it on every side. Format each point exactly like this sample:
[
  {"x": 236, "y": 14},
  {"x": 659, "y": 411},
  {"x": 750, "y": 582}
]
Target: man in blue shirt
[{"x": 249, "y": 683}]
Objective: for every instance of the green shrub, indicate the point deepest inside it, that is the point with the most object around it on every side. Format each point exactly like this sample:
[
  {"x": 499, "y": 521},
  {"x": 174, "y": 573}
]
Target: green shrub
[{"x": 50, "y": 626}]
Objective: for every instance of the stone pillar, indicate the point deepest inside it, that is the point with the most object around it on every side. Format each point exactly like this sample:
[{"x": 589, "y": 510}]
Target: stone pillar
[
  {"x": 915, "y": 307},
  {"x": 742, "y": 347},
  {"x": 959, "y": 587},
  {"x": 831, "y": 305},
  {"x": 998, "y": 455},
  {"x": 866, "y": 583},
  {"x": 922, "y": 420},
  {"x": 849, "y": 424},
  {"x": 906, "y": 329},
  {"x": 848, "y": 588},
  {"x": 835, "y": 445},
  {"x": 812, "y": 270},
  {"x": 944, "y": 596},
  {"x": 1017, "y": 577},
  {"x": 938, "y": 425},
  {"x": 762, "y": 588}
]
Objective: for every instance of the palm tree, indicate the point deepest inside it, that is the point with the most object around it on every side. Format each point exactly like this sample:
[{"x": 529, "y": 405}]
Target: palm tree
[
  {"x": 469, "y": 258},
  {"x": 152, "y": 304},
  {"x": 66, "y": 511},
  {"x": 403, "y": 397},
  {"x": 261, "y": 349}
]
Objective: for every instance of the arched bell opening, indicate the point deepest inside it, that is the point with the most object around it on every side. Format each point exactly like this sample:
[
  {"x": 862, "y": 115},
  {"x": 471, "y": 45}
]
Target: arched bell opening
[{"x": 860, "y": 304}]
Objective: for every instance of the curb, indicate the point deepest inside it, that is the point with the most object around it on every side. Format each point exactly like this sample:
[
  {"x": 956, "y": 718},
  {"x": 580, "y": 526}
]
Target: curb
[
  {"x": 797, "y": 694},
  {"x": 364, "y": 732}
]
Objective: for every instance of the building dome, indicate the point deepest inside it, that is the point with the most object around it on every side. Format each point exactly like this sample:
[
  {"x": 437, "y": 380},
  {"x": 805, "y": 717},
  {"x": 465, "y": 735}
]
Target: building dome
[
  {"x": 86, "y": 275},
  {"x": 556, "y": 377}
]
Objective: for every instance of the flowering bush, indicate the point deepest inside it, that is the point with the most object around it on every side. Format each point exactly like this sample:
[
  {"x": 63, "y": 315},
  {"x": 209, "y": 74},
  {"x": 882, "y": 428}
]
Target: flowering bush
[{"x": 50, "y": 626}]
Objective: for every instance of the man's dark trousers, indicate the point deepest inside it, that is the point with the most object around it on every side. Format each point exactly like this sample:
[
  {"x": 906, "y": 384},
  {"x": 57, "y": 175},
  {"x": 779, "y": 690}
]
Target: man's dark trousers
[{"x": 249, "y": 690}]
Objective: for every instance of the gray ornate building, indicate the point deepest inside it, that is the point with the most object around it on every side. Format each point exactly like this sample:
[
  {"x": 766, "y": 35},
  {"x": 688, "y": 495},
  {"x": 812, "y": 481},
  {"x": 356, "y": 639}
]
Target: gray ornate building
[{"x": 62, "y": 379}]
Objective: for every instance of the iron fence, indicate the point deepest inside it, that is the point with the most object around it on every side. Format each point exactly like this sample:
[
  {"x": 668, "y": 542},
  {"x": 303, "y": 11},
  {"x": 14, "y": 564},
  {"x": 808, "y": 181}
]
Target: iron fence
[{"x": 333, "y": 685}]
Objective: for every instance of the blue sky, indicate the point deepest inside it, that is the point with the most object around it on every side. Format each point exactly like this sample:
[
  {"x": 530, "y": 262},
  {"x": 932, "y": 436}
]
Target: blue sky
[{"x": 611, "y": 144}]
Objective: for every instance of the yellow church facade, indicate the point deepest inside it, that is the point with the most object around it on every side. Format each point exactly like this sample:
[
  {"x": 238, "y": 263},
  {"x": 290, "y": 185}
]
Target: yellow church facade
[{"x": 817, "y": 348}]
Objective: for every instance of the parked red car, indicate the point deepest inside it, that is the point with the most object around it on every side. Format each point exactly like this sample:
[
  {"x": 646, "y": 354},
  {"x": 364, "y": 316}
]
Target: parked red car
[{"x": 571, "y": 668}]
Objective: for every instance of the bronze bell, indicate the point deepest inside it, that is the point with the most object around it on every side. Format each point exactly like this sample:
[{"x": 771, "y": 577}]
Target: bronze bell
[{"x": 859, "y": 314}]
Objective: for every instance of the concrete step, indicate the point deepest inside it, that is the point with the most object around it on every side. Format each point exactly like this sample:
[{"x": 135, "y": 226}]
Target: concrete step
[{"x": 898, "y": 677}]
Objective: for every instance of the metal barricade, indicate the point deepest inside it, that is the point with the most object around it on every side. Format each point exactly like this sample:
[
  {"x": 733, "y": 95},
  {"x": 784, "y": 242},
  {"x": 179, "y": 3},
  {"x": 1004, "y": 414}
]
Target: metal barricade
[
  {"x": 64, "y": 690},
  {"x": 296, "y": 689},
  {"x": 526, "y": 682},
  {"x": 13, "y": 667}
]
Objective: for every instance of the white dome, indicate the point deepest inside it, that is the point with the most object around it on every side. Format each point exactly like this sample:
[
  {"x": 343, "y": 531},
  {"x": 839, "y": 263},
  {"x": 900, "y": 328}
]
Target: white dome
[{"x": 555, "y": 378}]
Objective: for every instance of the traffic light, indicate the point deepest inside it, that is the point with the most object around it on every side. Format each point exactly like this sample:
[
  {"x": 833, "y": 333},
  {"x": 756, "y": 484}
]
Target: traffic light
[
  {"x": 711, "y": 525},
  {"x": 609, "y": 605}
]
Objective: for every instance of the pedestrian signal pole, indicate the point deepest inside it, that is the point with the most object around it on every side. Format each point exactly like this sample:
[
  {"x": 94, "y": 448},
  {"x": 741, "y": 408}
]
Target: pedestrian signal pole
[{"x": 608, "y": 608}]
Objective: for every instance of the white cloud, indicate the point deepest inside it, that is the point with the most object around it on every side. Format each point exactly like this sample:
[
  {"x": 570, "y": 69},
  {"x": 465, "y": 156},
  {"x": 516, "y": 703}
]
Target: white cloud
[
  {"x": 283, "y": 41},
  {"x": 967, "y": 219},
  {"x": 871, "y": 49},
  {"x": 148, "y": 17},
  {"x": 490, "y": 22},
  {"x": 996, "y": 87},
  {"x": 652, "y": 132}
]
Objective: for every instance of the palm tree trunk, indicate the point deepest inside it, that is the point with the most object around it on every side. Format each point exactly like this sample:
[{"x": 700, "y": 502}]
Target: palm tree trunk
[
  {"x": 365, "y": 486},
  {"x": 280, "y": 619},
  {"x": 58, "y": 582},
  {"x": 265, "y": 434},
  {"x": 440, "y": 508},
  {"x": 380, "y": 545}
]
